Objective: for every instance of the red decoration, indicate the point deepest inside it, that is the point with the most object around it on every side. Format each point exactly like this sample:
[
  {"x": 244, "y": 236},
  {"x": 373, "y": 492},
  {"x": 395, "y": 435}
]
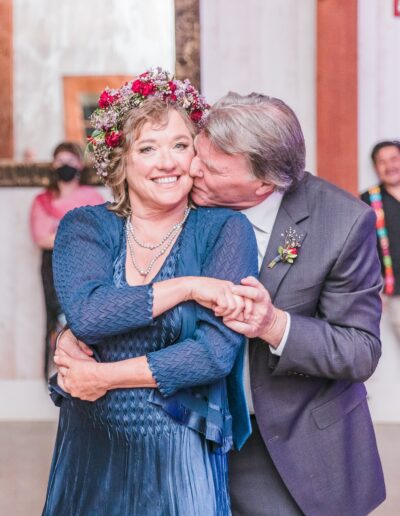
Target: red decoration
[{"x": 396, "y": 7}]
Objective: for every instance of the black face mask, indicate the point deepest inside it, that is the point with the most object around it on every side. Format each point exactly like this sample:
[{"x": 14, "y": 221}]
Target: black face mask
[{"x": 66, "y": 173}]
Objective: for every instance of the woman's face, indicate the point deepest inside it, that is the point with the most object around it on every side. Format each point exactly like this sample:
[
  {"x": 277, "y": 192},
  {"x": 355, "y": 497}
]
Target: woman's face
[
  {"x": 67, "y": 158},
  {"x": 157, "y": 165}
]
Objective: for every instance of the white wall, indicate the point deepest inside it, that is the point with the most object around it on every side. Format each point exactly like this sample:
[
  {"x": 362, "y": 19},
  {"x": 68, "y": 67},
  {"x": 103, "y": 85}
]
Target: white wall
[
  {"x": 379, "y": 81},
  {"x": 22, "y": 319},
  {"x": 266, "y": 46},
  {"x": 23, "y": 392},
  {"x": 53, "y": 39}
]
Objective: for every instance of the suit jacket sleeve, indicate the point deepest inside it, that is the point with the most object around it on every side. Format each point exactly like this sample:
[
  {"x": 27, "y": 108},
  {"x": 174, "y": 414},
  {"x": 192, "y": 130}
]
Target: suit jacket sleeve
[{"x": 342, "y": 341}]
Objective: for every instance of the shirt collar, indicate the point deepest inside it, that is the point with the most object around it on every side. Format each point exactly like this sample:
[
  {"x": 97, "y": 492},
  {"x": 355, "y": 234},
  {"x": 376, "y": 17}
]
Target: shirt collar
[{"x": 263, "y": 215}]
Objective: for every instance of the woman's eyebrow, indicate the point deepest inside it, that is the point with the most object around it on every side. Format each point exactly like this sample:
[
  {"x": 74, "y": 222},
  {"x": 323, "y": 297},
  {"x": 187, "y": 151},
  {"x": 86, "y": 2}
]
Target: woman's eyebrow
[{"x": 153, "y": 140}]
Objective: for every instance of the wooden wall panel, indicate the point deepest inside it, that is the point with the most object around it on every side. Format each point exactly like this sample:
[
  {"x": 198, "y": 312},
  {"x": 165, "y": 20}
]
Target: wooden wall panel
[
  {"x": 6, "y": 80},
  {"x": 187, "y": 40},
  {"x": 337, "y": 93}
]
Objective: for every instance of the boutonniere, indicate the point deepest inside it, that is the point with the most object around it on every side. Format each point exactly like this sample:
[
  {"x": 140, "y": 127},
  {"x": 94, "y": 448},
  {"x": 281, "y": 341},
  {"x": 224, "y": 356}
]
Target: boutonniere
[{"x": 289, "y": 250}]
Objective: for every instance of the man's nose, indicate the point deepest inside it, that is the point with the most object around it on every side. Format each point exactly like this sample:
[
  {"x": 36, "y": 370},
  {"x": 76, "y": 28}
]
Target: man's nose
[{"x": 195, "y": 168}]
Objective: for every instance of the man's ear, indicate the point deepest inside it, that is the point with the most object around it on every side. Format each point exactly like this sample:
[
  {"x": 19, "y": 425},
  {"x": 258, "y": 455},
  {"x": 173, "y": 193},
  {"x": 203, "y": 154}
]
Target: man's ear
[{"x": 264, "y": 189}]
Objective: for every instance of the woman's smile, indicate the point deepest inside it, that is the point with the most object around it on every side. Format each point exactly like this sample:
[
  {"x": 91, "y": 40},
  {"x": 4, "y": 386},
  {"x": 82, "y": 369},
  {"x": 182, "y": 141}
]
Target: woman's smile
[{"x": 166, "y": 180}]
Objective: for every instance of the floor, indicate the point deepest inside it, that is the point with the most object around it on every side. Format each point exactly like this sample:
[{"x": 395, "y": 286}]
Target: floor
[{"x": 26, "y": 450}]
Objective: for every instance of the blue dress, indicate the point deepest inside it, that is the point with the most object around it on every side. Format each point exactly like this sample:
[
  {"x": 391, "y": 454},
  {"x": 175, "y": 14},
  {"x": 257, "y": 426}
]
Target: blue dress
[{"x": 124, "y": 454}]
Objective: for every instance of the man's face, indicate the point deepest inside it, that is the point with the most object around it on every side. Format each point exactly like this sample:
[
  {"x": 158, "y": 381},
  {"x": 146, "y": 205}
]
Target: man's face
[
  {"x": 387, "y": 165},
  {"x": 224, "y": 180}
]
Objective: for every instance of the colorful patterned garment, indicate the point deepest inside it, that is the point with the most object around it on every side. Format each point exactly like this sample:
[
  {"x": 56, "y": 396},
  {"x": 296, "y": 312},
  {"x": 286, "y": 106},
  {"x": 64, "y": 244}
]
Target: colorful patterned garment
[{"x": 375, "y": 197}]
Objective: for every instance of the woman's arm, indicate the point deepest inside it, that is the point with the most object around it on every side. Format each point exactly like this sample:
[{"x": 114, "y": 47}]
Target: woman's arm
[
  {"x": 43, "y": 226},
  {"x": 209, "y": 355},
  {"x": 211, "y": 352},
  {"x": 89, "y": 380}
]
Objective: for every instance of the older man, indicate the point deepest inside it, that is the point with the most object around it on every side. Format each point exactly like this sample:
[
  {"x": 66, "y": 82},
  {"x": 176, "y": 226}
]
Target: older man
[{"x": 314, "y": 328}]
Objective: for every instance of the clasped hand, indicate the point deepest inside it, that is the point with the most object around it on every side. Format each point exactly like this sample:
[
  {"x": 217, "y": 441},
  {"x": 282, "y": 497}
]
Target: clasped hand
[
  {"x": 78, "y": 371},
  {"x": 245, "y": 308}
]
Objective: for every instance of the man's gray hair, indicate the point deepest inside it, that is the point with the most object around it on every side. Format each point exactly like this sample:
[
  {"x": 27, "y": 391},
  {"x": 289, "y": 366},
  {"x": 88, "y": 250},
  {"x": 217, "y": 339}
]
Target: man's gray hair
[{"x": 263, "y": 129}]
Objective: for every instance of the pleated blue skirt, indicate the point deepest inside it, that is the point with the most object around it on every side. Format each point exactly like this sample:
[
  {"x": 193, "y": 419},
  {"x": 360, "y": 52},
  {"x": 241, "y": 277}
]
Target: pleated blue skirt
[{"x": 96, "y": 472}]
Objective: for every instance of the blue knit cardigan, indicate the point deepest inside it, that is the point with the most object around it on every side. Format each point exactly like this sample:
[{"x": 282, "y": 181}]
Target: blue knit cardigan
[{"x": 200, "y": 377}]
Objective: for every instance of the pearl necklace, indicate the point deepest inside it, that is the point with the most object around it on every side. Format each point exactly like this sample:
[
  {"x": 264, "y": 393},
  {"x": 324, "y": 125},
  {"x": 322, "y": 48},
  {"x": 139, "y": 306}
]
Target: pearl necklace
[
  {"x": 167, "y": 241},
  {"x": 164, "y": 239}
]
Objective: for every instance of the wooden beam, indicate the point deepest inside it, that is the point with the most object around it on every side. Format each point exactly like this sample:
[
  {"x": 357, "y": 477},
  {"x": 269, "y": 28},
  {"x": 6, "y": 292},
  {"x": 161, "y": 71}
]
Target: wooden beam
[
  {"x": 337, "y": 93},
  {"x": 6, "y": 83},
  {"x": 187, "y": 41}
]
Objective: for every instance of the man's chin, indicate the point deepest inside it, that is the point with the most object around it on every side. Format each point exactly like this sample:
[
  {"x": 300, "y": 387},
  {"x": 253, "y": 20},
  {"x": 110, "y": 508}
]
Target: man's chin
[{"x": 200, "y": 200}]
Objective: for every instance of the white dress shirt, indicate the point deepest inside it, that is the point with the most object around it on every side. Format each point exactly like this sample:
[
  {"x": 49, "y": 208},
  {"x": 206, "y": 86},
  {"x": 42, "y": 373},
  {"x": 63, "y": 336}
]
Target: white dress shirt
[{"x": 262, "y": 218}]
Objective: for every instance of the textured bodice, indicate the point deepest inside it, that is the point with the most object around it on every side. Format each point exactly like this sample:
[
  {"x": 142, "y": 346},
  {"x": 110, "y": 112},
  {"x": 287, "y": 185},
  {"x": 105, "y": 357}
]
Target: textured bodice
[
  {"x": 128, "y": 410},
  {"x": 117, "y": 320}
]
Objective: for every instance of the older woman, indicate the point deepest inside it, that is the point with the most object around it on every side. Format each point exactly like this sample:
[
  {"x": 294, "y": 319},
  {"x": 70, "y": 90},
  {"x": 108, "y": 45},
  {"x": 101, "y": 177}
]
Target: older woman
[{"x": 127, "y": 274}]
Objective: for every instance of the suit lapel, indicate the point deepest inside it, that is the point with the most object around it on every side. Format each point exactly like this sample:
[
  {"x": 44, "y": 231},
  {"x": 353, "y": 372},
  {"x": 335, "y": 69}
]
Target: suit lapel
[{"x": 293, "y": 210}]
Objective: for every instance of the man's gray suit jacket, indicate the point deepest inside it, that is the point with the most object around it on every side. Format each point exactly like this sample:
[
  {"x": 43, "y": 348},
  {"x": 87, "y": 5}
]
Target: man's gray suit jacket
[{"x": 310, "y": 403}]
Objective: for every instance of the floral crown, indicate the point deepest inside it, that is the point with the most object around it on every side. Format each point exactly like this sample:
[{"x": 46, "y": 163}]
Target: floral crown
[{"x": 114, "y": 105}]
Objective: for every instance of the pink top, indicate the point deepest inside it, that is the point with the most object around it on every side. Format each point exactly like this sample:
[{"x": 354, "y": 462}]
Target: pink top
[{"x": 47, "y": 210}]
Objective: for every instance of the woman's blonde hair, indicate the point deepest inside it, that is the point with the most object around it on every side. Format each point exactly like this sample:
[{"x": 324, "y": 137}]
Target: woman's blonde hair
[{"x": 154, "y": 111}]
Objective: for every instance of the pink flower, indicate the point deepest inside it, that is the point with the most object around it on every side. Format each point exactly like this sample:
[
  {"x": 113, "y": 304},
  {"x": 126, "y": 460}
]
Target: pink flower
[
  {"x": 113, "y": 139},
  {"x": 106, "y": 99},
  {"x": 144, "y": 88},
  {"x": 172, "y": 86},
  {"x": 196, "y": 115}
]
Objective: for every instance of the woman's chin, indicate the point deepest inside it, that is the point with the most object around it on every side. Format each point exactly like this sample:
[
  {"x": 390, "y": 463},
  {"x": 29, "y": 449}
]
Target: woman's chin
[
  {"x": 168, "y": 200},
  {"x": 172, "y": 194}
]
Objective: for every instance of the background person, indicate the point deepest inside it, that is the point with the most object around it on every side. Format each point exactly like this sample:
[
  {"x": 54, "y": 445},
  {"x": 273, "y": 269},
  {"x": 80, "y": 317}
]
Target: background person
[
  {"x": 48, "y": 208},
  {"x": 384, "y": 198}
]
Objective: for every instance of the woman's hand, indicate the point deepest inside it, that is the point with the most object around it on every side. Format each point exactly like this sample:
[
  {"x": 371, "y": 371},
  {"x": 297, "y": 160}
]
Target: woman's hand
[
  {"x": 73, "y": 347},
  {"x": 80, "y": 378},
  {"x": 217, "y": 295}
]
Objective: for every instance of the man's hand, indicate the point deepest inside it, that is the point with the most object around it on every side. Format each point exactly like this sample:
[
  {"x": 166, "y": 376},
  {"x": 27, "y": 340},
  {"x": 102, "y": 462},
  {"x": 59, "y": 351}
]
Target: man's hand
[
  {"x": 71, "y": 346},
  {"x": 265, "y": 321},
  {"x": 80, "y": 377},
  {"x": 218, "y": 295}
]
